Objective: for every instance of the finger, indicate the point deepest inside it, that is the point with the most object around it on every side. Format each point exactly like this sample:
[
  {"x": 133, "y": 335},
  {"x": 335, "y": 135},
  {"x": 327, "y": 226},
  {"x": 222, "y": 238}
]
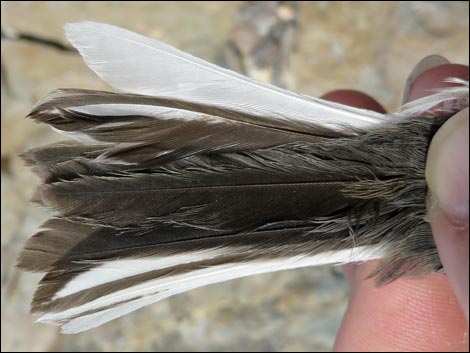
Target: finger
[
  {"x": 434, "y": 78},
  {"x": 406, "y": 315},
  {"x": 447, "y": 174},
  {"x": 354, "y": 99},
  {"x": 425, "y": 64}
]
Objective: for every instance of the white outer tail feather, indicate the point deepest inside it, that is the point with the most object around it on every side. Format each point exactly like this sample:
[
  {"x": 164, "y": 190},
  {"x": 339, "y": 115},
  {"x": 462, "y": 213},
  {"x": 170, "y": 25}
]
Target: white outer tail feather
[
  {"x": 158, "y": 289},
  {"x": 158, "y": 69}
]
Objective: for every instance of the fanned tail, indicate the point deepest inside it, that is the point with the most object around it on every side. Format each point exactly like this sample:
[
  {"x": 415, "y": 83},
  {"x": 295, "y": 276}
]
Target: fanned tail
[{"x": 197, "y": 175}]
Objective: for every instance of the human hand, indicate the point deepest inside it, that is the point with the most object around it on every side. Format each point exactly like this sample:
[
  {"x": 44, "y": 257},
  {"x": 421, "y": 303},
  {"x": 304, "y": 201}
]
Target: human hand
[{"x": 424, "y": 314}]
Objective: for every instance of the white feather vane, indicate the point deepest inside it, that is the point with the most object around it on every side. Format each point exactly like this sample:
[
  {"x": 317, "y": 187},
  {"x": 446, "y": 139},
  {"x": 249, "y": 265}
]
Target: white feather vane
[
  {"x": 147, "y": 66},
  {"x": 85, "y": 317}
]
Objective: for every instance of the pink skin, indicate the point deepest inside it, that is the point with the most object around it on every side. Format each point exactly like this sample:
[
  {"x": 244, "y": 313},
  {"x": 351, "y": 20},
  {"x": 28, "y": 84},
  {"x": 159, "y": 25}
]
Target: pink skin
[{"x": 413, "y": 314}]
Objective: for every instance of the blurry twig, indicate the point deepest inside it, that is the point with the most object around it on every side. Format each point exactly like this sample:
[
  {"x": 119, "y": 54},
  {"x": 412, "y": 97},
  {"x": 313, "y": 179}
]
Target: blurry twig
[
  {"x": 13, "y": 35},
  {"x": 36, "y": 39}
]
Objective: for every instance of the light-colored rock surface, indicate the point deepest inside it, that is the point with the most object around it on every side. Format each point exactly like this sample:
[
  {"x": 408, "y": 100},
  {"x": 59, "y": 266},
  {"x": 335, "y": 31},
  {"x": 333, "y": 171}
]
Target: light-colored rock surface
[{"x": 365, "y": 46}]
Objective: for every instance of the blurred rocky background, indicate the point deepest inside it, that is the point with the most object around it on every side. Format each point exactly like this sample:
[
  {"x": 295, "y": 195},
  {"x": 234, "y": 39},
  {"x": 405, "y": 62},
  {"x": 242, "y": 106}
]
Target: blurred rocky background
[{"x": 310, "y": 47}]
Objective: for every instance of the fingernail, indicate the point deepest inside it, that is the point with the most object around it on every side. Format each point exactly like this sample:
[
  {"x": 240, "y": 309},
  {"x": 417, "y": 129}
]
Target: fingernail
[
  {"x": 426, "y": 63},
  {"x": 434, "y": 78},
  {"x": 447, "y": 170},
  {"x": 452, "y": 245}
]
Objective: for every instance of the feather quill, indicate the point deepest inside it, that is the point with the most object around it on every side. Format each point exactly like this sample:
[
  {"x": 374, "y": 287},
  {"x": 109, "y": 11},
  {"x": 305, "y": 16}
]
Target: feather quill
[{"x": 196, "y": 175}]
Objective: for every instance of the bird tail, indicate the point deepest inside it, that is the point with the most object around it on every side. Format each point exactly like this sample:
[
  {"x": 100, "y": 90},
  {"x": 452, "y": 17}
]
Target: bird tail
[{"x": 196, "y": 175}]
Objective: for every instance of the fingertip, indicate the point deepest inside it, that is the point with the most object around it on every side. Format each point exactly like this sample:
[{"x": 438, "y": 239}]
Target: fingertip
[
  {"x": 423, "y": 65},
  {"x": 427, "y": 81},
  {"x": 447, "y": 168},
  {"x": 355, "y": 99}
]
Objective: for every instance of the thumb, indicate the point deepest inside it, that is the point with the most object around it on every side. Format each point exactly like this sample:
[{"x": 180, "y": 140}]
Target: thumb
[{"x": 447, "y": 176}]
